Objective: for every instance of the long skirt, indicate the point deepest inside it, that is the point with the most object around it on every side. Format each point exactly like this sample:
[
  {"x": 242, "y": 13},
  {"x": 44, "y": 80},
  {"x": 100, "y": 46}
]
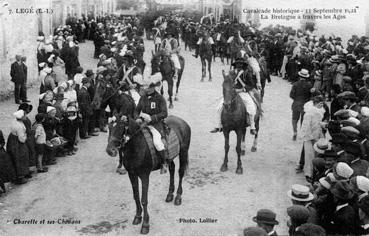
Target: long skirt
[
  {"x": 19, "y": 154},
  {"x": 7, "y": 171}
]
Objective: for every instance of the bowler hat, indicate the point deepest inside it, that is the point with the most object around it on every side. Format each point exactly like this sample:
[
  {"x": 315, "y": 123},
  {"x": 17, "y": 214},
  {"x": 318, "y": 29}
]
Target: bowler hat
[
  {"x": 342, "y": 190},
  {"x": 89, "y": 73},
  {"x": 330, "y": 153},
  {"x": 265, "y": 216}
]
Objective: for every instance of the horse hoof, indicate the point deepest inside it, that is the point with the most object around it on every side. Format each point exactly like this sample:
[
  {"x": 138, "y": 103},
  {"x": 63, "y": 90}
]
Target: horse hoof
[
  {"x": 253, "y": 149},
  {"x": 224, "y": 168},
  {"x": 210, "y": 79},
  {"x": 145, "y": 229},
  {"x": 176, "y": 98},
  {"x": 178, "y": 200},
  {"x": 121, "y": 171},
  {"x": 202, "y": 80},
  {"x": 137, "y": 220},
  {"x": 170, "y": 106},
  {"x": 243, "y": 152},
  {"x": 239, "y": 171},
  {"x": 169, "y": 198}
]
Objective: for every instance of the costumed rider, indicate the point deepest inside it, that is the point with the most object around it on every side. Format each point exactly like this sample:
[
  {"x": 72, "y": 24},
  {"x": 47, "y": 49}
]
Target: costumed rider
[
  {"x": 152, "y": 109},
  {"x": 171, "y": 48},
  {"x": 245, "y": 86},
  {"x": 130, "y": 76},
  {"x": 204, "y": 35}
]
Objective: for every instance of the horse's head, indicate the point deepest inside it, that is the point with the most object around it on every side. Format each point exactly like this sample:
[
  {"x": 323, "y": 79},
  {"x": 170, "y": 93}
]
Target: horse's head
[
  {"x": 121, "y": 128},
  {"x": 117, "y": 127},
  {"x": 229, "y": 93},
  {"x": 102, "y": 86}
]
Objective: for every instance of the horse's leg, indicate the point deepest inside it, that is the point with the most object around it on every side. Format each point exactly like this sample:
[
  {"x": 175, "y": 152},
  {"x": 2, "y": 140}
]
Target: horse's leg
[
  {"x": 170, "y": 92},
  {"x": 136, "y": 195},
  {"x": 121, "y": 170},
  {"x": 239, "y": 169},
  {"x": 243, "y": 143},
  {"x": 183, "y": 162},
  {"x": 145, "y": 188},
  {"x": 203, "y": 65},
  {"x": 170, "y": 195},
  {"x": 177, "y": 84},
  {"x": 209, "y": 69},
  {"x": 255, "y": 143},
  {"x": 226, "y": 149}
]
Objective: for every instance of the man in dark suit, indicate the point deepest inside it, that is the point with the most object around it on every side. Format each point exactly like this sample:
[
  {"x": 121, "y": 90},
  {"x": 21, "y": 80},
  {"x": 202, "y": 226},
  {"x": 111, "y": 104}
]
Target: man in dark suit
[
  {"x": 266, "y": 219},
  {"x": 85, "y": 108},
  {"x": 344, "y": 219},
  {"x": 364, "y": 215},
  {"x": 94, "y": 118},
  {"x": 18, "y": 73},
  {"x": 300, "y": 93}
]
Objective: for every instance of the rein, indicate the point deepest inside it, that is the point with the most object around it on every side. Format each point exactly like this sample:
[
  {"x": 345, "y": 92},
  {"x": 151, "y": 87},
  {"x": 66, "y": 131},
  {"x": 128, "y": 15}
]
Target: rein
[
  {"x": 124, "y": 140},
  {"x": 110, "y": 96}
]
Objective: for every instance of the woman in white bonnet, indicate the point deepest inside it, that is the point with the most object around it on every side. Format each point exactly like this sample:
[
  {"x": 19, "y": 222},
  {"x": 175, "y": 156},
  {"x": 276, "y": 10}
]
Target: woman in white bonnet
[
  {"x": 17, "y": 147},
  {"x": 58, "y": 68},
  {"x": 70, "y": 95}
]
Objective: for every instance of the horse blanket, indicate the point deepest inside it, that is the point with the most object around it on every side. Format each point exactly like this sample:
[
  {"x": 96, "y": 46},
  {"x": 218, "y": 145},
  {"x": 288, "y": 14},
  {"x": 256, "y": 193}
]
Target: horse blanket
[{"x": 172, "y": 147}]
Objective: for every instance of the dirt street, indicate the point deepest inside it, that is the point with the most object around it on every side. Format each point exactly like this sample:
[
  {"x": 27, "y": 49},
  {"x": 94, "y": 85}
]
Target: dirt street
[{"x": 85, "y": 189}]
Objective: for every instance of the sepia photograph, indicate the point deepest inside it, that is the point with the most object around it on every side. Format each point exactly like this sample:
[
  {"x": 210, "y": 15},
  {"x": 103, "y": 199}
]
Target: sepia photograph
[{"x": 184, "y": 117}]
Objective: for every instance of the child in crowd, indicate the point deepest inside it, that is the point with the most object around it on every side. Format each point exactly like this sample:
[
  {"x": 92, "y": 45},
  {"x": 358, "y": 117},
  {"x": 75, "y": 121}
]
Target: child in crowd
[{"x": 40, "y": 137}]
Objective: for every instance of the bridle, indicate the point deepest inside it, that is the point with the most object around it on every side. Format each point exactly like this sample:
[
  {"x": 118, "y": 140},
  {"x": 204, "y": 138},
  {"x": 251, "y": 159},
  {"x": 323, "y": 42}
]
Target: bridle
[{"x": 125, "y": 137}]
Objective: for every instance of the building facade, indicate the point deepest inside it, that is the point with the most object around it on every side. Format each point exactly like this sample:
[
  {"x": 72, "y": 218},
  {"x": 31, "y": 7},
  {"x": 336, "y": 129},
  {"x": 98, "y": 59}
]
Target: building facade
[{"x": 19, "y": 29}]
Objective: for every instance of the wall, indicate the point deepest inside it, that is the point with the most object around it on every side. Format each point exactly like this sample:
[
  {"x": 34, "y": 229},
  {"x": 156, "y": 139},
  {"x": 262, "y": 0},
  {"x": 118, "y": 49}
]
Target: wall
[{"x": 18, "y": 33}]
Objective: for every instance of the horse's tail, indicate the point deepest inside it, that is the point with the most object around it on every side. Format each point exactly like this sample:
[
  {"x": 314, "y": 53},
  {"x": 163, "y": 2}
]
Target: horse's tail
[{"x": 184, "y": 157}]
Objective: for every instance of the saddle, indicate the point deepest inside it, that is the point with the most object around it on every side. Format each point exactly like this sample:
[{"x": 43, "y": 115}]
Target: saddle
[{"x": 171, "y": 144}]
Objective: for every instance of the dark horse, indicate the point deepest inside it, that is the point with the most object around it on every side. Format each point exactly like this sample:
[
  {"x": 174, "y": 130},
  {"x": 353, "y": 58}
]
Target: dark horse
[
  {"x": 162, "y": 63},
  {"x": 221, "y": 47},
  {"x": 107, "y": 93},
  {"x": 233, "y": 118},
  {"x": 137, "y": 160},
  {"x": 206, "y": 54}
]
